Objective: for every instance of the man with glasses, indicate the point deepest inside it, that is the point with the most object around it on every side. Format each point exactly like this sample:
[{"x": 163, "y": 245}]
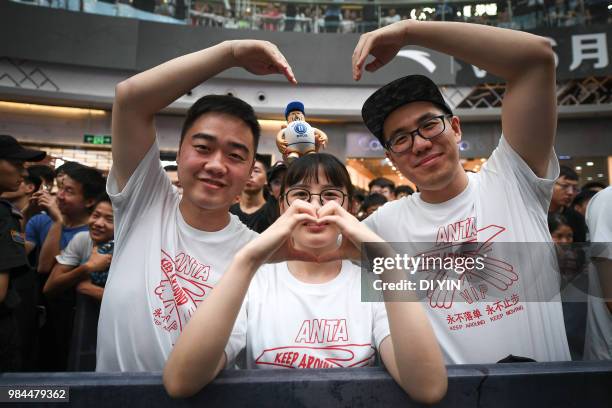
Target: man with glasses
[
  {"x": 564, "y": 192},
  {"x": 495, "y": 315}
]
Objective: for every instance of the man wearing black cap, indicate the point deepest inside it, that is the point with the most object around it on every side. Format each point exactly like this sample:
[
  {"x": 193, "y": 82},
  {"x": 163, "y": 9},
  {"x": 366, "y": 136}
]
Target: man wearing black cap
[
  {"x": 491, "y": 316},
  {"x": 12, "y": 248}
]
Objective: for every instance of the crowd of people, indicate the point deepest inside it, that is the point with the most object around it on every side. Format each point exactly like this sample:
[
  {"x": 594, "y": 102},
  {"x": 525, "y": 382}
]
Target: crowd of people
[
  {"x": 267, "y": 257},
  {"x": 360, "y": 18}
]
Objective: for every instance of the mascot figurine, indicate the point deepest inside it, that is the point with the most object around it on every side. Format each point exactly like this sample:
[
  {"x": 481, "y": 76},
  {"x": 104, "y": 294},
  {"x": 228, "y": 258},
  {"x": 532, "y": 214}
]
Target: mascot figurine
[{"x": 298, "y": 138}]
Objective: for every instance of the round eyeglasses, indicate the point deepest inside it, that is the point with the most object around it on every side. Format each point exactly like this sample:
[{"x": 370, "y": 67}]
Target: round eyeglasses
[
  {"x": 429, "y": 129},
  {"x": 325, "y": 196}
]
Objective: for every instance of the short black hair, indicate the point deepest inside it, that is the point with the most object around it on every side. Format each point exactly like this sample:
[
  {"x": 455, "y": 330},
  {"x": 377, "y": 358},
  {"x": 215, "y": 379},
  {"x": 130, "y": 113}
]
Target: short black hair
[
  {"x": 382, "y": 182},
  {"x": 263, "y": 159},
  {"x": 403, "y": 189},
  {"x": 593, "y": 184},
  {"x": 33, "y": 179},
  {"x": 568, "y": 173},
  {"x": 67, "y": 166},
  {"x": 103, "y": 198},
  {"x": 359, "y": 194},
  {"x": 583, "y": 196},
  {"x": 44, "y": 172},
  {"x": 556, "y": 220},
  {"x": 306, "y": 169},
  {"x": 91, "y": 180},
  {"x": 226, "y": 104},
  {"x": 372, "y": 200}
]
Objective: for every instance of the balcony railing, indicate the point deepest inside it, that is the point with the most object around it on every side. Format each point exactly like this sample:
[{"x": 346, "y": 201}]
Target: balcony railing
[{"x": 353, "y": 16}]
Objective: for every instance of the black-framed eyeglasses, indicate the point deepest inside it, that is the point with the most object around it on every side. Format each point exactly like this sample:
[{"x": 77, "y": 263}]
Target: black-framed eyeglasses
[
  {"x": 325, "y": 196},
  {"x": 571, "y": 187},
  {"x": 429, "y": 129}
]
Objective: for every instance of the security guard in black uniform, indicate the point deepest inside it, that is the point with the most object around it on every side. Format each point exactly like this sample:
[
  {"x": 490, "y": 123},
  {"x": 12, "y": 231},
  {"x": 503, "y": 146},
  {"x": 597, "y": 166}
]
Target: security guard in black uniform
[{"x": 13, "y": 261}]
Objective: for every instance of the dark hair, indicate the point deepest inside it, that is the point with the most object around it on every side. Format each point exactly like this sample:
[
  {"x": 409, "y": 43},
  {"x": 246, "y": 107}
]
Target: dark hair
[
  {"x": 359, "y": 194},
  {"x": 33, "y": 179},
  {"x": 263, "y": 159},
  {"x": 43, "y": 172},
  {"x": 568, "y": 173},
  {"x": 583, "y": 196},
  {"x": 372, "y": 200},
  {"x": 556, "y": 220},
  {"x": 403, "y": 189},
  {"x": 306, "y": 169},
  {"x": 593, "y": 184},
  {"x": 229, "y": 105},
  {"x": 103, "y": 198},
  {"x": 382, "y": 182},
  {"x": 67, "y": 166},
  {"x": 91, "y": 180}
]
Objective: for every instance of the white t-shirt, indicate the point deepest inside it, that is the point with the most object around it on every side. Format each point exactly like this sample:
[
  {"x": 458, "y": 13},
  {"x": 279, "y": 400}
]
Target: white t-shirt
[
  {"x": 598, "y": 337},
  {"x": 78, "y": 250},
  {"x": 286, "y": 323},
  {"x": 162, "y": 269},
  {"x": 504, "y": 202}
]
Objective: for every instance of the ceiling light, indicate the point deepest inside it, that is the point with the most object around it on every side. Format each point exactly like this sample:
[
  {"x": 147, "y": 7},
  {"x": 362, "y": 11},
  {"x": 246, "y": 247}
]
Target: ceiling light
[
  {"x": 589, "y": 164},
  {"x": 578, "y": 168},
  {"x": 49, "y": 109}
]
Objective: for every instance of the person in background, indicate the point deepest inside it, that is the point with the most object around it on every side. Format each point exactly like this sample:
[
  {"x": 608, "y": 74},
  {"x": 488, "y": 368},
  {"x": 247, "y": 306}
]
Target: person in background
[
  {"x": 275, "y": 178},
  {"x": 20, "y": 199},
  {"x": 594, "y": 186},
  {"x": 403, "y": 191},
  {"x": 581, "y": 201},
  {"x": 44, "y": 172},
  {"x": 66, "y": 215},
  {"x": 84, "y": 263},
  {"x": 60, "y": 172},
  {"x": 13, "y": 340},
  {"x": 564, "y": 191},
  {"x": 384, "y": 186},
  {"x": 598, "y": 344},
  {"x": 257, "y": 209},
  {"x": 371, "y": 204},
  {"x": 357, "y": 200}
]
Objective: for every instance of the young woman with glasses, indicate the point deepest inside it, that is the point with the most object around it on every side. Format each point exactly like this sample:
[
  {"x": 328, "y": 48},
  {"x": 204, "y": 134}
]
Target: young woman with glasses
[{"x": 306, "y": 312}]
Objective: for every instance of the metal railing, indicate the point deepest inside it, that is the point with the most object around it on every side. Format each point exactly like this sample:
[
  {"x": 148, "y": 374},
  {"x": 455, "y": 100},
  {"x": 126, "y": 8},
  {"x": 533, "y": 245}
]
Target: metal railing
[{"x": 355, "y": 16}]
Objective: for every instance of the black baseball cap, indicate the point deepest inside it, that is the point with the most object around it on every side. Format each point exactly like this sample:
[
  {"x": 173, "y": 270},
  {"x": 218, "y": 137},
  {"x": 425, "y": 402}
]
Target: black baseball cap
[
  {"x": 10, "y": 149},
  {"x": 411, "y": 88},
  {"x": 278, "y": 167}
]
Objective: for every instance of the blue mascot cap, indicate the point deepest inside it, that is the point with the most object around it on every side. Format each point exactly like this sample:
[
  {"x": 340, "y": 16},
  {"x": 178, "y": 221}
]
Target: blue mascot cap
[{"x": 294, "y": 106}]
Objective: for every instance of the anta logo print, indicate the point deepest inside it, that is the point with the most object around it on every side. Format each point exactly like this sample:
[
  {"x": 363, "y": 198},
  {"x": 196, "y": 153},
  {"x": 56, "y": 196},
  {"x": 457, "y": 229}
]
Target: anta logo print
[
  {"x": 182, "y": 287},
  {"x": 328, "y": 347}
]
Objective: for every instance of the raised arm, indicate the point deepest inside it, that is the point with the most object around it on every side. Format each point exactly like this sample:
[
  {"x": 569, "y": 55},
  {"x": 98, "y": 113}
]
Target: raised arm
[
  {"x": 525, "y": 61},
  {"x": 197, "y": 357},
  {"x": 411, "y": 353},
  {"x": 140, "y": 97},
  {"x": 63, "y": 277}
]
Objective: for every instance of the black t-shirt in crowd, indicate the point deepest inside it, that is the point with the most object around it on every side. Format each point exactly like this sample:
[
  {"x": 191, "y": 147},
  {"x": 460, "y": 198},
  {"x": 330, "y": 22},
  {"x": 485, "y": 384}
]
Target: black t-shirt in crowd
[{"x": 261, "y": 219}]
